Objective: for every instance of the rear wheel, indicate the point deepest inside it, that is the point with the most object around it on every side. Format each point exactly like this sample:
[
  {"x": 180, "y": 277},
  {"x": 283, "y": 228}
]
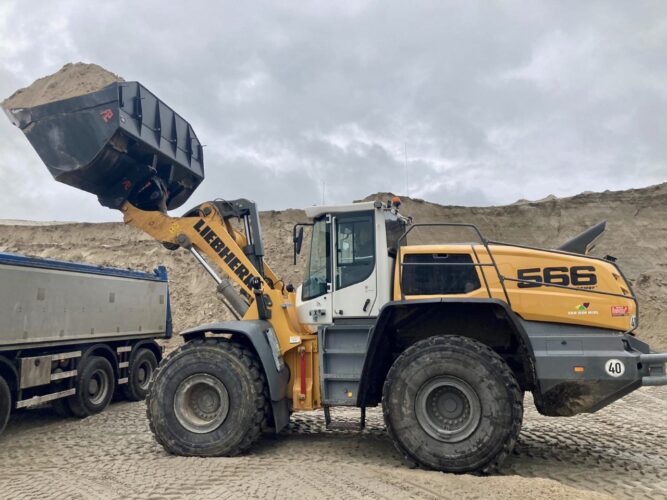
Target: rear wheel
[
  {"x": 452, "y": 404},
  {"x": 208, "y": 398},
  {"x": 61, "y": 408},
  {"x": 142, "y": 367},
  {"x": 5, "y": 403},
  {"x": 94, "y": 387}
]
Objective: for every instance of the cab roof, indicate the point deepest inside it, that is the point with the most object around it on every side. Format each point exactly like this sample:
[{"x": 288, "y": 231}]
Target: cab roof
[{"x": 316, "y": 211}]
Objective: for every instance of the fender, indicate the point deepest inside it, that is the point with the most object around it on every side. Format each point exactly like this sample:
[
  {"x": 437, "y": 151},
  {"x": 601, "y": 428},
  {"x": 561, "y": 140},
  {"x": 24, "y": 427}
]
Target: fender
[
  {"x": 108, "y": 353},
  {"x": 275, "y": 370},
  {"x": 379, "y": 346},
  {"x": 149, "y": 344}
]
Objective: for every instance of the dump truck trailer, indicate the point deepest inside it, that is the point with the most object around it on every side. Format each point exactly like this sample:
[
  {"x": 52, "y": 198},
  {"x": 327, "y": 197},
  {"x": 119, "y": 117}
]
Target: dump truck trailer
[{"x": 72, "y": 334}]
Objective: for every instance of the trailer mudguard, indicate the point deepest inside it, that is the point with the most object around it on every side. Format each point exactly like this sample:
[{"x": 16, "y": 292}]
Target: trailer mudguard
[{"x": 263, "y": 339}]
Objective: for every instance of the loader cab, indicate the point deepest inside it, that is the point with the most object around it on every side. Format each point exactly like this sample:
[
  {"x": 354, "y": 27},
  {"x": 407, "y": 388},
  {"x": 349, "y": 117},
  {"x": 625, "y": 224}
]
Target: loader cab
[{"x": 350, "y": 261}]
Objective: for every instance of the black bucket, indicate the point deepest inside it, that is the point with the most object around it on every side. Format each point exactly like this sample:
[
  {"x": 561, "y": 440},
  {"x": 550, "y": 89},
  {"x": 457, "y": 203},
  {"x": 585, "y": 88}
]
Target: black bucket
[{"x": 120, "y": 143}]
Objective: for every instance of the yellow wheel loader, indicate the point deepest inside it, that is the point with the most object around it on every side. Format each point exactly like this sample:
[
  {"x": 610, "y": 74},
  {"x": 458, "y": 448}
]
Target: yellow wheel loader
[{"x": 447, "y": 337}]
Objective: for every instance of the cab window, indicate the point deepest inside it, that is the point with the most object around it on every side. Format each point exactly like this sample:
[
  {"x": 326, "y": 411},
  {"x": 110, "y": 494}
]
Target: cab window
[
  {"x": 318, "y": 272},
  {"x": 438, "y": 274},
  {"x": 355, "y": 248}
]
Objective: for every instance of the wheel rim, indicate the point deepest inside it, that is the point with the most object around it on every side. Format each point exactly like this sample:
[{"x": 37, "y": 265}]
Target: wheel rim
[
  {"x": 448, "y": 409},
  {"x": 144, "y": 374},
  {"x": 201, "y": 403},
  {"x": 98, "y": 387}
]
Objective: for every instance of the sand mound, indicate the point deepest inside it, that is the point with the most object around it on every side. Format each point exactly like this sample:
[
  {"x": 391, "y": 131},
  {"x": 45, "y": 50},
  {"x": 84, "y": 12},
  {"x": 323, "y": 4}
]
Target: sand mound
[
  {"x": 636, "y": 234},
  {"x": 71, "y": 80}
]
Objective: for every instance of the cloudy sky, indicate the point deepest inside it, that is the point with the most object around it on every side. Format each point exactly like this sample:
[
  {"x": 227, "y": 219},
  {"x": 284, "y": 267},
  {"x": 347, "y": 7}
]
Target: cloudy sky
[{"x": 493, "y": 101}]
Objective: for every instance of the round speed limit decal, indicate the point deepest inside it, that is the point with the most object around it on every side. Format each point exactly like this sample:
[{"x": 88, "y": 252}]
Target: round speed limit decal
[{"x": 614, "y": 367}]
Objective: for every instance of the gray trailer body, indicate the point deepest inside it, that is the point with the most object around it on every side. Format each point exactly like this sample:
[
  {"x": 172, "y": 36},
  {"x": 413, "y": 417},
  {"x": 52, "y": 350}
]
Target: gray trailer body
[
  {"x": 45, "y": 302},
  {"x": 56, "y": 317}
]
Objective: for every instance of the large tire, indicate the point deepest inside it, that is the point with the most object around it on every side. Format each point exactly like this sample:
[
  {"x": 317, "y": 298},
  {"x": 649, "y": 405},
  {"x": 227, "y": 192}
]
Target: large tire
[
  {"x": 5, "y": 403},
  {"x": 452, "y": 404},
  {"x": 94, "y": 385},
  {"x": 208, "y": 398},
  {"x": 142, "y": 368}
]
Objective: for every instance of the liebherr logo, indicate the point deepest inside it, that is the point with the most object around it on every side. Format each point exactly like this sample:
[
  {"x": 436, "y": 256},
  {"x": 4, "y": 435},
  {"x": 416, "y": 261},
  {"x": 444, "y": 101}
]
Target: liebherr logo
[{"x": 219, "y": 247}]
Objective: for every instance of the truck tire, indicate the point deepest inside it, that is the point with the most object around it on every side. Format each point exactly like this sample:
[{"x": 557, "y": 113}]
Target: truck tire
[
  {"x": 208, "y": 398},
  {"x": 142, "y": 368},
  {"x": 94, "y": 387},
  {"x": 61, "y": 408},
  {"x": 5, "y": 403},
  {"x": 452, "y": 404}
]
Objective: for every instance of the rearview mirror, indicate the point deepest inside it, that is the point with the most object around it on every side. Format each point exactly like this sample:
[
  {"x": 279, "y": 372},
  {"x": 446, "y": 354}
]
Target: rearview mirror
[{"x": 297, "y": 239}]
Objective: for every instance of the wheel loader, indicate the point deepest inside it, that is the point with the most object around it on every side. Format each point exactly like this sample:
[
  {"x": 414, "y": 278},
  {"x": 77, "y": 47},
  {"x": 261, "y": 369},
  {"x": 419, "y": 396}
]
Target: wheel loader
[{"x": 446, "y": 337}]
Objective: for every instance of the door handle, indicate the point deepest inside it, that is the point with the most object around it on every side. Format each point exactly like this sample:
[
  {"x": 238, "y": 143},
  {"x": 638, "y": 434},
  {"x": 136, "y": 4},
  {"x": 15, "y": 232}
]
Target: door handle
[{"x": 366, "y": 304}]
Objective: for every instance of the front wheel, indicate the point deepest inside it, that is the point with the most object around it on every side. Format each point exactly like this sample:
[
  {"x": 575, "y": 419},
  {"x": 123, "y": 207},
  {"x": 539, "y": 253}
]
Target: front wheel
[
  {"x": 452, "y": 404},
  {"x": 208, "y": 398}
]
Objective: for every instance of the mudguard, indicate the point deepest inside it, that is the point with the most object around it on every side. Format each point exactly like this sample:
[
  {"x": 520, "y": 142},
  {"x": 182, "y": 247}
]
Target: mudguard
[
  {"x": 378, "y": 352},
  {"x": 260, "y": 335}
]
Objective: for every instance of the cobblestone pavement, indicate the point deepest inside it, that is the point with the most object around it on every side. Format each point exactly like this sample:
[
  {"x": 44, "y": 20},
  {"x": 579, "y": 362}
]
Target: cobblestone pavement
[{"x": 620, "y": 451}]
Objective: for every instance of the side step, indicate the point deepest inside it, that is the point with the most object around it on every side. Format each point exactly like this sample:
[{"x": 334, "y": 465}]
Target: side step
[
  {"x": 344, "y": 425},
  {"x": 342, "y": 349}
]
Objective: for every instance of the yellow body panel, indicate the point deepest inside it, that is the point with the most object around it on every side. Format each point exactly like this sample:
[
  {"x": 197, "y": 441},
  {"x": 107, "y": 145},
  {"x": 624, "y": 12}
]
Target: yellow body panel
[
  {"x": 215, "y": 237},
  {"x": 578, "y": 304}
]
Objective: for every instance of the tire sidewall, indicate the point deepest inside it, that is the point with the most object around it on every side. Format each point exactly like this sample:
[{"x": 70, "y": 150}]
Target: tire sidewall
[
  {"x": 242, "y": 396},
  {"x": 134, "y": 391},
  {"x": 5, "y": 404},
  {"x": 80, "y": 404},
  {"x": 415, "y": 368}
]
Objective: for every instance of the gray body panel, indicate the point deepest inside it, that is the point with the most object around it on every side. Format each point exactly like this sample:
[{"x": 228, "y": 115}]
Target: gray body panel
[
  {"x": 41, "y": 306},
  {"x": 255, "y": 331},
  {"x": 559, "y": 348},
  {"x": 551, "y": 353}
]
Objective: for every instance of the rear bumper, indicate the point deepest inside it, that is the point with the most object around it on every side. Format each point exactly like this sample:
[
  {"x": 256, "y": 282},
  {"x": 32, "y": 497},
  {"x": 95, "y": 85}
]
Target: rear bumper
[{"x": 581, "y": 371}]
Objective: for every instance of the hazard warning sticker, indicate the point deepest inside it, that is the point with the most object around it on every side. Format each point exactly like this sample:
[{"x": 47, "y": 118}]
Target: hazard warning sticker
[{"x": 620, "y": 310}]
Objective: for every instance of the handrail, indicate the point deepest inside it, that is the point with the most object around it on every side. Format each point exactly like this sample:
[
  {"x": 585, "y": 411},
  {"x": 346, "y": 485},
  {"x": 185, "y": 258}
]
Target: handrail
[{"x": 451, "y": 224}]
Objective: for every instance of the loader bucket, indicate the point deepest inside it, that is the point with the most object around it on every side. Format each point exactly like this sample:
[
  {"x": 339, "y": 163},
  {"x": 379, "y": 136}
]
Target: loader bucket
[{"x": 120, "y": 143}]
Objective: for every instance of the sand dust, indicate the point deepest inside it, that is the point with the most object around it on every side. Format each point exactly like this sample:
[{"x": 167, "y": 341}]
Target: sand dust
[{"x": 71, "y": 80}]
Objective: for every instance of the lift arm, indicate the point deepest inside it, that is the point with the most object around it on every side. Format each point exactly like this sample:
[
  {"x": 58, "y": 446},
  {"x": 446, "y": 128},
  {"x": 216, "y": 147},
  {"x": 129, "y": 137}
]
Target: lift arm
[{"x": 205, "y": 230}]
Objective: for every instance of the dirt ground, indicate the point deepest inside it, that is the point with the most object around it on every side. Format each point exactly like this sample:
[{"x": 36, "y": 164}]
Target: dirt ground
[{"x": 620, "y": 452}]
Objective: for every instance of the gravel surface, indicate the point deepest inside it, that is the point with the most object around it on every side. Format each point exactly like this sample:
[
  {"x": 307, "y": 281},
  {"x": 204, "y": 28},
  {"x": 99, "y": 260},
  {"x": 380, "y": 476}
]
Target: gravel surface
[{"x": 620, "y": 451}]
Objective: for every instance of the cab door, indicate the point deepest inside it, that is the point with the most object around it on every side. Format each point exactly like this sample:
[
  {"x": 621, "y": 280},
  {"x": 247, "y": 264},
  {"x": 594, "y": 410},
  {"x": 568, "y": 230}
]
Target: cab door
[
  {"x": 354, "y": 264},
  {"x": 314, "y": 296}
]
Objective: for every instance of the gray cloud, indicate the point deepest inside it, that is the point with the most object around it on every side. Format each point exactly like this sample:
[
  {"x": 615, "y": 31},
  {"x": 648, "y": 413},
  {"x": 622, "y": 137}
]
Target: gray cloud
[{"x": 495, "y": 101}]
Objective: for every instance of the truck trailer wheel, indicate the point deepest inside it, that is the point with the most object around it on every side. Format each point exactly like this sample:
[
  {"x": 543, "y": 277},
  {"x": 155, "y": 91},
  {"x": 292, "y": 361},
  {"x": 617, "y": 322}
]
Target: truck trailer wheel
[
  {"x": 94, "y": 387},
  {"x": 5, "y": 403},
  {"x": 142, "y": 367},
  {"x": 452, "y": 404},
  {"x": 208, "y": 398}
]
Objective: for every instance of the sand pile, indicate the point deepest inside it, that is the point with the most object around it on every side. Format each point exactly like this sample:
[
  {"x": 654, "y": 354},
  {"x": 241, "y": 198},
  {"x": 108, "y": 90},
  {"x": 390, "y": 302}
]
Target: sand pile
[
  {"x": 636, "y": 234},
  {"x": 71, "y": 80}
]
